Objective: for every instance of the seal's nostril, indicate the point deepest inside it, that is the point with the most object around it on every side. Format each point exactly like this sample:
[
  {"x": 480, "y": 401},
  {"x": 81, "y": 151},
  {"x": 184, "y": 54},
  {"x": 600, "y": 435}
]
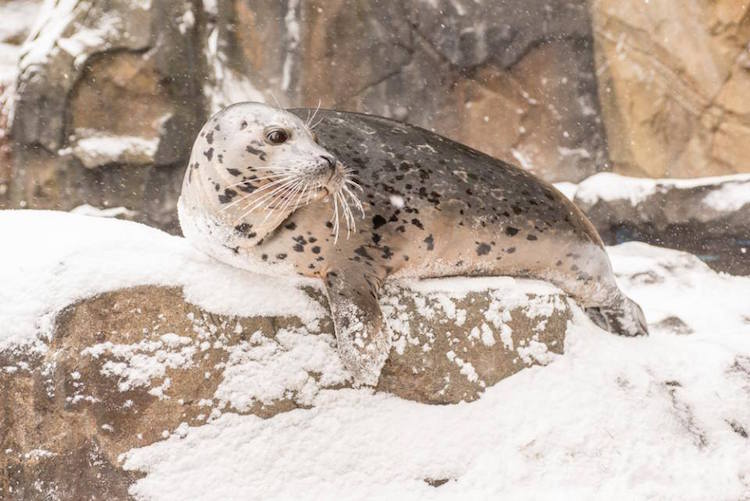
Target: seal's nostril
[{"x": 331, "y": 161}]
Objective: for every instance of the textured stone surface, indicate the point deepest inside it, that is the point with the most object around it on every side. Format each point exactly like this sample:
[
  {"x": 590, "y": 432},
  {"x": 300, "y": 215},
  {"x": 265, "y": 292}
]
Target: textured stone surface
[
  {"x": 513, "y": 79},
  {"x": 125, "y": 369},
  {"x": 710, "y": 219},
  {"x": 674, "y": 80}
]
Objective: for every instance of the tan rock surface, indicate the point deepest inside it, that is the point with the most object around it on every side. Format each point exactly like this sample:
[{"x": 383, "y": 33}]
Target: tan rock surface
[{"x": 673, "y": 85}]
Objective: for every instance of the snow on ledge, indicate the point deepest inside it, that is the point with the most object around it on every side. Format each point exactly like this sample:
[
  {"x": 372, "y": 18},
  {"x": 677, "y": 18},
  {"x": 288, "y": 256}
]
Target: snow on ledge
[
  {"x": 732, "y": 192},
  {"x": 53, "y": 259},
  {"x": 97, "y": 150}
]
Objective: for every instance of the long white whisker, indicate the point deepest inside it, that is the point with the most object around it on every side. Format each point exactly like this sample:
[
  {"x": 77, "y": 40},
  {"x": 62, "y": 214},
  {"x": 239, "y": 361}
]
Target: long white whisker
[
  {"x": 282, "y": 209},
  {"x": 335, "y": 218},
  {"x": 267, "y": 200},
  {"x": 355, "y": 200},
  {"x": 315, "y": 113},
  {"x": 317, "y": 123},
  {"x": 264, "y": 200},
  {"x": 257, "y": 192},
  {"x": 350, "y": 224}
]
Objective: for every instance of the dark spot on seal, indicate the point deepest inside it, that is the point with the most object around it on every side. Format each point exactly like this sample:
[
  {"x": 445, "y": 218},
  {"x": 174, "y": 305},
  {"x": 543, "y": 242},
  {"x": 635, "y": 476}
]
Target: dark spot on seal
[
  {"x": 558, "y": 263},
  {"x": 254, "y": 151},
  {"x": 243, "y": 125},
  {"x": 378, "y": 221},
  {"x": 315, "y": 250},
  {"x": 290, "y": 226},
  {"x": 483, "y": 249},
  {"x": 246, "y": 187},
  {"x": 361, "y": 251},
  {"x": 511, "y": 231},
  {"x": 281, "y": 256},
  {"x": 264, "y": 257},
  {"x": 233, "y": 172},
  {"x": 299, "y": 247},
  {"x": 510, "y": 250},
  {"x": 209, "y": 153},
  {"x": 531, "y": 237},
  {"x": 243, "y": 228},
  {"x": 227, "y": 196},
  {"x": 416, "y": 222},
  {"x": 430, "y": 242},
  {"x": 210, "y": 137}
]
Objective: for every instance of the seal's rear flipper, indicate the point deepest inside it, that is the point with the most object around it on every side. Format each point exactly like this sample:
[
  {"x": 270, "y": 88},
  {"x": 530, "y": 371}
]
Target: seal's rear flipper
[
  {"x": 625, "y": 318},
  {"x": 362, "y": 337}
]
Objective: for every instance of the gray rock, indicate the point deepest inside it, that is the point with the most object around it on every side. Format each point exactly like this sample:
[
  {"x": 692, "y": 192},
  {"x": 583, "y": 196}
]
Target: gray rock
[{"x": 708, "y": 217}]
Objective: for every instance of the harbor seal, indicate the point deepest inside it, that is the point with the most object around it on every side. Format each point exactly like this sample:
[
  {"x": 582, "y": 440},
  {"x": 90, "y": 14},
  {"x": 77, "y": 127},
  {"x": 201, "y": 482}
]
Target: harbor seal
[{"x": 353, "y": 199}]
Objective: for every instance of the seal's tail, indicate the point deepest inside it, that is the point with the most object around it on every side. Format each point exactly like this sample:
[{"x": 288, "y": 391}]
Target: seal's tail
[{"x": 625, "y": 318}]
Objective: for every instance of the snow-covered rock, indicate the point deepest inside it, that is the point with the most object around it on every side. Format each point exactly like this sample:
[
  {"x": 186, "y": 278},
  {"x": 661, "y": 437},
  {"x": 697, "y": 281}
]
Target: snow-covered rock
[
  {"x": 707, "y": 216},
  {"x": 131, "y": 364}
]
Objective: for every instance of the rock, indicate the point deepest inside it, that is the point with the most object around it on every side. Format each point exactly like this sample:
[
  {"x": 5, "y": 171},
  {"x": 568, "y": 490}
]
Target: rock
[
  {"x": 673, "y": 85},
  {"x": 131, "y": 367},
  {"x": 708, "y": 217},
  {"x": 513, "y": 79}
]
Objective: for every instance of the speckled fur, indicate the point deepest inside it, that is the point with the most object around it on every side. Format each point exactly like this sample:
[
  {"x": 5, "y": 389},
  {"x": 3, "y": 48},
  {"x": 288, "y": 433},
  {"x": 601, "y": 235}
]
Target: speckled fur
[{"x": 433, "y": 208}]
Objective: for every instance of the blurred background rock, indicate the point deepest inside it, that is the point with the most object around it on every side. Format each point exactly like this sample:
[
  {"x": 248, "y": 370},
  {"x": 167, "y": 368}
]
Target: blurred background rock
[{"x": 103, "y": 98}]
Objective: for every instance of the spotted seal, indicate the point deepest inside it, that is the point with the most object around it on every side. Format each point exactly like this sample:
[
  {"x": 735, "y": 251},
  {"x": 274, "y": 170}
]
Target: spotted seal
[{"x": 354, "y": 199}]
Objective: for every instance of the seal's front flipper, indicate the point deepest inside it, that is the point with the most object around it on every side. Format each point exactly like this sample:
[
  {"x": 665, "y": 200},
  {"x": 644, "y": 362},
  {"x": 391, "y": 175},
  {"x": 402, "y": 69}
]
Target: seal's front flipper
[
  {"x": 362, "y": 337},
  {"x": 625, "y": 318}
]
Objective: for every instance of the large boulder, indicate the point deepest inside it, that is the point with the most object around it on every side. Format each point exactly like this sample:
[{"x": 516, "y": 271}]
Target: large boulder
[
  {"x": 709, "y": 217},
  {"x": 674, "y": 76},
  {"x": 84, "y": 381}
]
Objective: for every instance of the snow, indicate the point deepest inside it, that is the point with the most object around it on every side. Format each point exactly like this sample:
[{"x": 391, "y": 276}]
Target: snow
[
  {"x": 97, "y": 150},
  {"x": 90, "y": 210},
  {"x": 660, "y": 417},
  {"x": 731, "y": 192},
  {"x": 57, "y": 258}
]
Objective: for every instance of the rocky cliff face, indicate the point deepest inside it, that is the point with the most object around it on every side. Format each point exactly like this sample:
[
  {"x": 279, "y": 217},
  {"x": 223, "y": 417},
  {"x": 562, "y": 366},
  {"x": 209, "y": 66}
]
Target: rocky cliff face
[
  {"x": 110, "y": 95},
  {"x": 674, "y": 81}
]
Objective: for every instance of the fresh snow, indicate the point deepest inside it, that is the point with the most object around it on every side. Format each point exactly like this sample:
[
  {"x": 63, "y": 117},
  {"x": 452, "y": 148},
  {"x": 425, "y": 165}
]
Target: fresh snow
[
  {"x": 733, "y": 190},
  {"x": 660, "y": 417},
  {"x": 97, "y": 150},
  {"x": 55, "y": 258}
]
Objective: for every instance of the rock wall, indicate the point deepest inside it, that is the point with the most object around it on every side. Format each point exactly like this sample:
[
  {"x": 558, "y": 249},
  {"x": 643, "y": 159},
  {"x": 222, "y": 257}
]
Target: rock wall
[
  {"x": 674, "y": 81},
  {"x": 110, "y": 94}
]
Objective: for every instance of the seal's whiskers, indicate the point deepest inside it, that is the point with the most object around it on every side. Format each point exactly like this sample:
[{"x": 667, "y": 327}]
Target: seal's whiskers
[
  {"x": 269, "y": 198},
  {"x": 257, "y": 192}
]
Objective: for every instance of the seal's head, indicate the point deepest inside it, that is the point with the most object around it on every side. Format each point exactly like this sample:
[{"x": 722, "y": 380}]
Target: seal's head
[{"x": 263, "y": 163}]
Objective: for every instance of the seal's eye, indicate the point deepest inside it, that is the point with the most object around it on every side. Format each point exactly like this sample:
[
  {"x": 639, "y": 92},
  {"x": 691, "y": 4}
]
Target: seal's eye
[{"x": 277, "y": 136}]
